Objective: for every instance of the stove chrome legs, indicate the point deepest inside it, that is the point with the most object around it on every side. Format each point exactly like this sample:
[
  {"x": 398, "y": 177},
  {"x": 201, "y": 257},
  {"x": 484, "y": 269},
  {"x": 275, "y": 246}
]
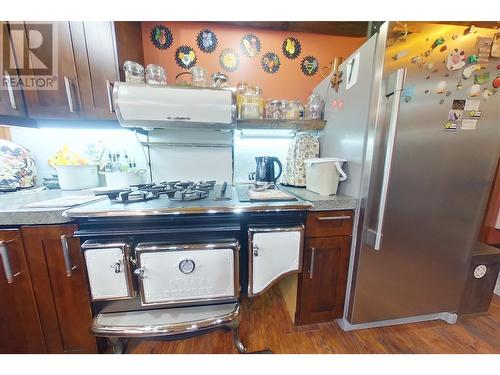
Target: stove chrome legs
[
  {"x": 234, "y": 326},
  {"x": 118, "y": 344}
]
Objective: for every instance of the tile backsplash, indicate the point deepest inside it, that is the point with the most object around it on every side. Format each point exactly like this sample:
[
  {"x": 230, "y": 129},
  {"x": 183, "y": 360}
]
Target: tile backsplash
[{"x": 186, "y": 155}]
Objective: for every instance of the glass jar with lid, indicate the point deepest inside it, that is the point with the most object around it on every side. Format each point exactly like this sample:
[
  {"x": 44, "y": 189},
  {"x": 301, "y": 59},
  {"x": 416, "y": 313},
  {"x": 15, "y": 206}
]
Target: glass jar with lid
[
  {"x": 314, "y": 107},
  {"x": 250, "y": 104},
  {"x": 156, "y": 75},
  {"x": 241, "y": 90},
  {"x": 199, "y": 76},
  {"x": 134, "y": 72},
  {"x": 259, "y": 98},
  {"x": 294, "y": 107}
]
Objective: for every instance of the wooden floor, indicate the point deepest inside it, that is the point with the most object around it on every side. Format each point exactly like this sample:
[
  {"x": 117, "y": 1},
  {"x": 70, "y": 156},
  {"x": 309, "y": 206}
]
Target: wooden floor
[{"x": 266, "y": 325}]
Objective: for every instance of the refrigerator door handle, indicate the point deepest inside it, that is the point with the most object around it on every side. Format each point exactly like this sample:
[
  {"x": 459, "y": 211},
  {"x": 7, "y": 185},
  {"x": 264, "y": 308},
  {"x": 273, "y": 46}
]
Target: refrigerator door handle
[{"x": 395, "y": 87}]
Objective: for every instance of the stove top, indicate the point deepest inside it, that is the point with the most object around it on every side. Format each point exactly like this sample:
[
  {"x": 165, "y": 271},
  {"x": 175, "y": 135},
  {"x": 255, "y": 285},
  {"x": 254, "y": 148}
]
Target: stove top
[{"x": 174, "y": 190}]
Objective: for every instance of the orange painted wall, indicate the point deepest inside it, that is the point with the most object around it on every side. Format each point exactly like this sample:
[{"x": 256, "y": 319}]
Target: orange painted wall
[{"x": 288, "y": 83}]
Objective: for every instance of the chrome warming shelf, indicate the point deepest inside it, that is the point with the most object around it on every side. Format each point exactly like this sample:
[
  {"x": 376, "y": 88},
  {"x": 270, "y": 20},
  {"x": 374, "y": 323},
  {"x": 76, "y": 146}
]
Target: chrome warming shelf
[{"x": 165, "y": 206}]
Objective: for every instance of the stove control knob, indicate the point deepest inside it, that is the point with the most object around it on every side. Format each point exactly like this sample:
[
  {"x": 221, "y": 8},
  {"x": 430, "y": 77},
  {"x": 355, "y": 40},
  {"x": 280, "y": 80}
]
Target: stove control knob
[{"x": 186, "y": 266}]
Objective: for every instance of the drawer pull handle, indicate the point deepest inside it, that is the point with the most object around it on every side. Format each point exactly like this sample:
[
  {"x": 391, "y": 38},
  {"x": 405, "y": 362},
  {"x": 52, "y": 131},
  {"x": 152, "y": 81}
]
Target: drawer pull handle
[
  {"x": 4, "y": 254},
  {"x": 67, "y": 259},
  {"x": 334, "y": 218},
  {"x": 311, "y": 266}
]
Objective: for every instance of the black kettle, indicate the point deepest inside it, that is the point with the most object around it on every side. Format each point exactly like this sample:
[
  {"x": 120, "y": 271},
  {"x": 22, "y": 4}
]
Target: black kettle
[{"x": 264, "y": 172}]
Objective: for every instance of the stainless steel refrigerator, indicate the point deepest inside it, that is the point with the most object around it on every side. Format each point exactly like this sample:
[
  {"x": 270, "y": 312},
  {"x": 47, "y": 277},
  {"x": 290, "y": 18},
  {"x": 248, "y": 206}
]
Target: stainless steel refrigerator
[{"x": 417, "y": 117}]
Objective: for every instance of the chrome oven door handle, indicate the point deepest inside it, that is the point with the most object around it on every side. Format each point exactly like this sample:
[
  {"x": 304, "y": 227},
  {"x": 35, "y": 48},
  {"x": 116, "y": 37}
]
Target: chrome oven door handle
[
  {"x": 12, "y": 98},
  {"x": 66, "y": 255},
  {"x": 4, "y": 254},
  {"x": 256, "y": 250},
  {"x": 391, "y": 138}
]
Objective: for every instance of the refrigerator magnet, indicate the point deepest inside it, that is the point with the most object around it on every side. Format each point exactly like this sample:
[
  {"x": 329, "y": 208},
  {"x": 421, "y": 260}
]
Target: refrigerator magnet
[
  {"x": 441, "y": 87},
  {"x": 475, "y": 115},
  {"x": 469, "y": 124},
  {"x": 456, "y": 60},
  {"x": 481, "y": 78},
  {"x": 352, "y": 71},
  {"x": 495, "y": 46},
  {"x": 458, "y": 105},
  {"x": 468, "y": 70},
  {"x": 450, "y": 126},
  {"x": 475, "y": 90},
  {"x": 455, "y": 115},
  {"x": 472, "y": 105}
]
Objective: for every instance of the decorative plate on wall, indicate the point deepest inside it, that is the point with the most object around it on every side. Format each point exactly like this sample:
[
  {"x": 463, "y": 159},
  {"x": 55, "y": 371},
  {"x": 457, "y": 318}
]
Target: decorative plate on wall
[
  {"x": 229, "y": 60},
  {"x": 185, "y": 57},
  {"x": 291, "y": 47},
  {"x": 207, "y": 41},
  {"x": 161, "y": 37},
  {"x": 270, "y": 62},
  {"x": 309, "y": 65},
  {"x": 250, "y": 45}
]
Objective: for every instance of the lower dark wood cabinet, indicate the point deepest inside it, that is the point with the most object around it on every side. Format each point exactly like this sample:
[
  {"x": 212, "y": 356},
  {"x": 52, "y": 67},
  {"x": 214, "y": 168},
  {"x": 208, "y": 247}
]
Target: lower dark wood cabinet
[
  {"x": 60, "y": 288},
  {"x": 322, "y": 284},
  {"x": 20, "y": 327}
]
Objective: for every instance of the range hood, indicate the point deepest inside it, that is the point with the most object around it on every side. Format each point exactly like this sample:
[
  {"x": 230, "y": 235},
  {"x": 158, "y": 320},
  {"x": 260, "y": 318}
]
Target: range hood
[{"x": 172, "y": 107}]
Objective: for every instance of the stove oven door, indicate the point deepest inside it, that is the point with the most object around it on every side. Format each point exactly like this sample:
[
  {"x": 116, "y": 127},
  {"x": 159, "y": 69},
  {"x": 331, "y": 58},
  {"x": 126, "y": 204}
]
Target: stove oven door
[
  {"x": 187, "y": 274},
  {"x": 273, "y": 253},
  {"x": 108, "y": 270}
]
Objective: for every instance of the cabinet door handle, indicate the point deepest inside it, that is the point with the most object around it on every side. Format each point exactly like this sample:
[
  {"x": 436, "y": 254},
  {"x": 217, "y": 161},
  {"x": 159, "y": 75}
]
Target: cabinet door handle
[
  {"x": 311, "y": 266},
  {"x": 334, "y": 217},
  {"x": 4, "y": 254},
  {"x": 69, "y": 94},
  {"x": 67, "y": 259},
  {"x": 109, "y": 90},
  {"x": 12, "y": 98}
]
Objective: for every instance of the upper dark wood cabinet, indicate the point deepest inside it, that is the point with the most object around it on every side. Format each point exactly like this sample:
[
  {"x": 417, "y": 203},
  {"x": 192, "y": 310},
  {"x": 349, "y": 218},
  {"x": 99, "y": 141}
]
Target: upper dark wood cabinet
[
  {"x": 11, "y": 95},
  {"x": 128, "y": 38},
  {"x": 97, "y": 66},
  {"x": 62, "y": 101},
  {"x": 61, "y": 293},
  {"x": 20, "y": 328},
  {"x": 88, "y": 57}
]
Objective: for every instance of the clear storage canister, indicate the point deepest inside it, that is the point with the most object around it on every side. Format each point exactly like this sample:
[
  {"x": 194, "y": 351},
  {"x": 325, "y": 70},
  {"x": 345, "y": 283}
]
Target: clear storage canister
[
  {"x": 314, "y": 107},
  {"x": 134, "y": 72},
  {"x": 156, "y": 75},
  {"x": 241, "y": 89},
  {"x": 198, "y": 76},
  {"x": 293, "y": 112},
  {"x": 250, "y": 104}
]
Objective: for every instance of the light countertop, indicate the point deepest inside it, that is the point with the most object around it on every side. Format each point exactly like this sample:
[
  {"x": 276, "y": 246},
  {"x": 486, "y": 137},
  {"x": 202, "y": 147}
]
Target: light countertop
[{"x": 13, "y": 210}]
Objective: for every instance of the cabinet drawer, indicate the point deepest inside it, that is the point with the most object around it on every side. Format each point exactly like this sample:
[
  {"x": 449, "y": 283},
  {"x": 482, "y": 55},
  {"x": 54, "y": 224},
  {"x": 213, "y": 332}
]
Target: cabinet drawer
[{"x": 329, "y": 223}]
